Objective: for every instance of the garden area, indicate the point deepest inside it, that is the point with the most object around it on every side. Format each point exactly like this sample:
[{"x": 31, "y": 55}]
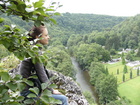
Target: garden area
[
  {"x": 122, "y": 72},
  {"x": 128, "y": 83}
]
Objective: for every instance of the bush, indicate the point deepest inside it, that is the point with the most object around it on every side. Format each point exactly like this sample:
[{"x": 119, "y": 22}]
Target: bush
[
  {"x": 9, "y": 62},
  {"x": 11, "y": 86},
  {"x": 89, "y": 97}
]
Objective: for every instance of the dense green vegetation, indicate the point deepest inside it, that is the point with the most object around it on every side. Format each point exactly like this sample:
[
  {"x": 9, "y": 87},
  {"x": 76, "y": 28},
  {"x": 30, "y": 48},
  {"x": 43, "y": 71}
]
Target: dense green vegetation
[
  {"x": 86, "y": 23},
  {"x": 15, "y": 41}
]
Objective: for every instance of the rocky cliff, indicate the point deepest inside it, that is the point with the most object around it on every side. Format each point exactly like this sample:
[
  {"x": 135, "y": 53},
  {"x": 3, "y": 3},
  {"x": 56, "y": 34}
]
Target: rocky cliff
[{"x": 71, "y": 88}]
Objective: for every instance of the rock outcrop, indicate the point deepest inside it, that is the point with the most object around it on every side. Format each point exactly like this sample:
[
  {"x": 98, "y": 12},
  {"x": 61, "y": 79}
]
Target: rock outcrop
[{"x": 72, "y": 89}]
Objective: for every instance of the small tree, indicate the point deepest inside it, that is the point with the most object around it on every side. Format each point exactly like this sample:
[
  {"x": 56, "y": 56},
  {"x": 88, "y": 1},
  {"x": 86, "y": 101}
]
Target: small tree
[
  {"x": 138, "y": 72},
  {"x": 131, "y": 74},
  {"x": 106, "y": 87},
  {"x": 129, "y": 56},
  {"x": 125, "y": 69},
  {"x": 123, "y": 77},
  {"x": 123, "y": 61},
  {"x": 107, "y": 71},
  {"x": 117, "y": 71}
]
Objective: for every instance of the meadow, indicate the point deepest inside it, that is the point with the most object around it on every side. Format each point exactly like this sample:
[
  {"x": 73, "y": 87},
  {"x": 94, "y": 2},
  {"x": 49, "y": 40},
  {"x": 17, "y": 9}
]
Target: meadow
[
  {"x": 112, "y": 69},
  {"x": 131, "y": 90},
  {"x": 131, "y": 87}
]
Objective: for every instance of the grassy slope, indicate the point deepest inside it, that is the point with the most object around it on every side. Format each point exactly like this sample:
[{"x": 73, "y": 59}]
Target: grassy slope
[{"x": 131, "y": 89}]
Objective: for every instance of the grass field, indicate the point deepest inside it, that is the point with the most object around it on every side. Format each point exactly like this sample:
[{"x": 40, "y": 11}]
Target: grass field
[
  {"x": 112, "y": 68},
  {"x": 131, "y": 89}
]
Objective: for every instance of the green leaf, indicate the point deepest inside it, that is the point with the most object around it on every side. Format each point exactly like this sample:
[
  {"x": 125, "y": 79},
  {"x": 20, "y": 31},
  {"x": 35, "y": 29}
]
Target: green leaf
[
  {"x": 13, "y": 103},
  {"x": 41, "y": 18},
  {"x": 34, "y": 90},
  {"x": 46, "y": 92},
  {"x": 7, "y": 26},
  {"x": 34, "y": 76},
  {"x": 60, "y": 6},
  {"x": 31, "y": 53},
  {"x": 21, "y": 86},
  {"x": 5, "y": 96},
  {"x": 50, "y": 10},
  {"x": 21, "y": 7},
  {"x": 12, "y": 86},
  {"x": 38, "y": 4},
  {"x": 57, "y": 13},
  {"x": 31, "y": 95},
  {"x": 49, "y": 100},
  {"x": 4, "y": 91},
  {"x": 20, "y": 98},
  {"x": 52, "y": 20},
  {"x": 53, "y": 3},
  {"x": 17, "y": 77},
  {"x": 28, "y": 101},
  {"x": 1, "y": 20},
  {"x": 5, "y": 76},
  {"x": 30, "y": 83},
  {"x": 37, "y": 23},
  {"x": 44, "y": 85},
  {"x": 54, "y": 101},
  {"x": 45, "y": 99},
  {"x": 3, "y": 88},
  {"x": 52, "y": 86}
]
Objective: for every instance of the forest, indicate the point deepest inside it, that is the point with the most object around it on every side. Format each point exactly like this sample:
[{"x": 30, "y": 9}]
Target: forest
[{"x": 92, "y": 39}]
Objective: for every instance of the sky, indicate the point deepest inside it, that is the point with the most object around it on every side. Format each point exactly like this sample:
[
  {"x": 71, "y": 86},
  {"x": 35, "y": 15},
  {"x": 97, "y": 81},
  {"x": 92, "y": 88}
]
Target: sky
[{"x": 102, "y": 7}]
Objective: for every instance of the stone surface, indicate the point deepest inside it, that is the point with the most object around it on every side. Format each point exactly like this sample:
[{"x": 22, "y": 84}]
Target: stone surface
[
  {"x": 73, "y": 91},
  {"x": 71, "y": 88}
]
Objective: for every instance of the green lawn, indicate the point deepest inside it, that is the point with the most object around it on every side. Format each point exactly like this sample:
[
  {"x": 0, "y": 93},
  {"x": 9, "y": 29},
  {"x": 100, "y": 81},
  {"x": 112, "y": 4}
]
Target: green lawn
[
  {"x": 112, "y": 68},
  {"x": 131, "y": 89}
]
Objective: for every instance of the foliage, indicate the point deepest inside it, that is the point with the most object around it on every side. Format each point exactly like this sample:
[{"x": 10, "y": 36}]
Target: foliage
[
  {"x": 113, "y": 42},
  {"x": 107, "y": 71},
  {"x": 11, "y": 86},
  {"x": 87, "y": 53},
  {"x": 11, "y": 37},
  {"x": 117, "y": 71},
  {"x": 86, "y": 23},
  {"x": 113, "y": 52},
  {"x": 123, "y": 60},
  {"x": 9, "y": 62},
  {"x": 123, "y": 78},
  {"x": 106, "y": 87},
  {"x": 3, "y": 52},
  {"x": 95, "y": 71},
  {"x": 36, "y": 11},
  {"x": 138, "y": 72},
  {"x": 60, "y": 61},
  {"x": 138, "y": 53},
  {"x": 120, "y": 101},
  {"x": 16, "y": 42},
  {"x": 89, "y": 97},
  {"x": 130, "y": 57},
  {"x": 125, "y": 69},
  {"x": 131, "y": 74}
]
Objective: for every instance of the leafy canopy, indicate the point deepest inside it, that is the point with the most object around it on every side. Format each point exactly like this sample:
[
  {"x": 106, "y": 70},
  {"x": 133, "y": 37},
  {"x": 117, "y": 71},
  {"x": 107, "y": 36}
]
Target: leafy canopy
[{"x": 12, "y": 38}]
